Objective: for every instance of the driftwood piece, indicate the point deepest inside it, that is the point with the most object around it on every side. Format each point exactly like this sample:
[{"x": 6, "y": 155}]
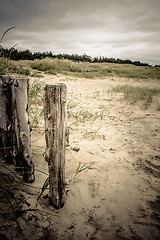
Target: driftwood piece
[
  {"x": 55, "y": 114},
  {"x": 15, "y": 126}
]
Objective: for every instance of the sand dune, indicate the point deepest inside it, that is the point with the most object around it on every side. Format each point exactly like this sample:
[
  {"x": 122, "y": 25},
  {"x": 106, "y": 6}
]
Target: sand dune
[{"x": 119, "y": 197}]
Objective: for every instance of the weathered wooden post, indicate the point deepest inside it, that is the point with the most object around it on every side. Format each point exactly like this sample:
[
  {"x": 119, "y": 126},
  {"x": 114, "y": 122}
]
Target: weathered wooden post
[
  {"x": 14, "y": 124},
  {"x": 5, "y": 118},
  {"x": 55, "y": 114},
  {"x": 22, "y": 154}
]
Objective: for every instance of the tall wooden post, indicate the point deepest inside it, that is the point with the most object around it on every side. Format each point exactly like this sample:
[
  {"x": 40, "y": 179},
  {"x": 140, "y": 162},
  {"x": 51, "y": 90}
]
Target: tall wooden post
[
  {"x": 22, "y": 154},
  {"x": 14, "y": 124},
  {"x": 55, "y": 114},
  {"x": 6, "y": 118}
]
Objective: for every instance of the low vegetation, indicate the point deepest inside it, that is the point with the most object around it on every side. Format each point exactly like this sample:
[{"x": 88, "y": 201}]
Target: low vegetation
[
  {"x": 135, "y": 94},
  {"x": 11, "y": 67},
  {"x": 77, "y": 69},
  {"x": 36, "y": 104},
  {"x": 94, "y": 70},
  {"x": 6, "y": 65},
  {"x": 79, "y": 113}
]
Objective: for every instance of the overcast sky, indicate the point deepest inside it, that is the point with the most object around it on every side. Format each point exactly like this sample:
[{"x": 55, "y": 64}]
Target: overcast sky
[{"x": 127, "y": 29}]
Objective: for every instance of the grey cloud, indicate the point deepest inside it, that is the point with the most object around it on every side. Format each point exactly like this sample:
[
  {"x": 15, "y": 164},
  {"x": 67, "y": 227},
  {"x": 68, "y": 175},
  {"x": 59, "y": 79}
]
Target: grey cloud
[
  {"x": 38, "y": 15},
  {"x": 67, "y": 14},
  {"x": 101, "y": 27}
]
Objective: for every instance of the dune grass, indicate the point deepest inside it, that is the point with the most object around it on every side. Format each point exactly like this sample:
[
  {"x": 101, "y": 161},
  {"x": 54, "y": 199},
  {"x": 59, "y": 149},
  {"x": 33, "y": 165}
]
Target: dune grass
[
  {"x": 82, "y": 167},
  {"x": 53, "y": 66},
  {"x": 10, "y": 67},
  {"x": 135, "y": 94},
  {"x": 36, "y": 103},
  {"x": 94, "y": 70},
  {"x": 80, "y": 70},
  {"x": 77, "y": 113},
  {"x": 92, "y": 134},
  {"x": 6, "y": 65}
]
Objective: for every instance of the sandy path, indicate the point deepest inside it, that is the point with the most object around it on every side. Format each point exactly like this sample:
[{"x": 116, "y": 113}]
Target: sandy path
[{"x": 119, "y": 198}]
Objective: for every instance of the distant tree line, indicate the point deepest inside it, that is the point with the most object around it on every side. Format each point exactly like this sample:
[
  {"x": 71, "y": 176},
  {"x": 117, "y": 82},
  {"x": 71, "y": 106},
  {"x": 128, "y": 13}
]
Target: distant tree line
[{"x": 15, "y": 54}]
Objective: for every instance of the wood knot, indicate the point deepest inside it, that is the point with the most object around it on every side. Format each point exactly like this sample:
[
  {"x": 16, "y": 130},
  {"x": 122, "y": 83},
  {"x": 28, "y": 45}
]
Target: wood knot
[
  {"x": 16, "y": 84},
  {"x": 4, "y": 86},
  {"x": 45, "y": 155},
  {"x": 27, "y": 155},
  {"x": 24, "y": 136},
  {"x": 49, "y": 117}
]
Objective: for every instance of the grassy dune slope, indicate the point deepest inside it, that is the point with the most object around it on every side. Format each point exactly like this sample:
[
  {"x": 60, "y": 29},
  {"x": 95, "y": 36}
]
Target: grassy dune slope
[{"x": 83, "y": 70}]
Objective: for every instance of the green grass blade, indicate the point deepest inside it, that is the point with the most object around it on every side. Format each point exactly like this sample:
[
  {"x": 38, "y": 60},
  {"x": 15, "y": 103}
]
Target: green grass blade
[
  {"x": 5, "y": 33},
  {"x": 44, "y": 187}
]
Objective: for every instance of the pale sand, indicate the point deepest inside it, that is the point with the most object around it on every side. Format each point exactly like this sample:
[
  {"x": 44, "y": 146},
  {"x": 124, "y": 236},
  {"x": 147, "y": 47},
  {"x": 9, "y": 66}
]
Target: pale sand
[{"x": 117, "y": 199}]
